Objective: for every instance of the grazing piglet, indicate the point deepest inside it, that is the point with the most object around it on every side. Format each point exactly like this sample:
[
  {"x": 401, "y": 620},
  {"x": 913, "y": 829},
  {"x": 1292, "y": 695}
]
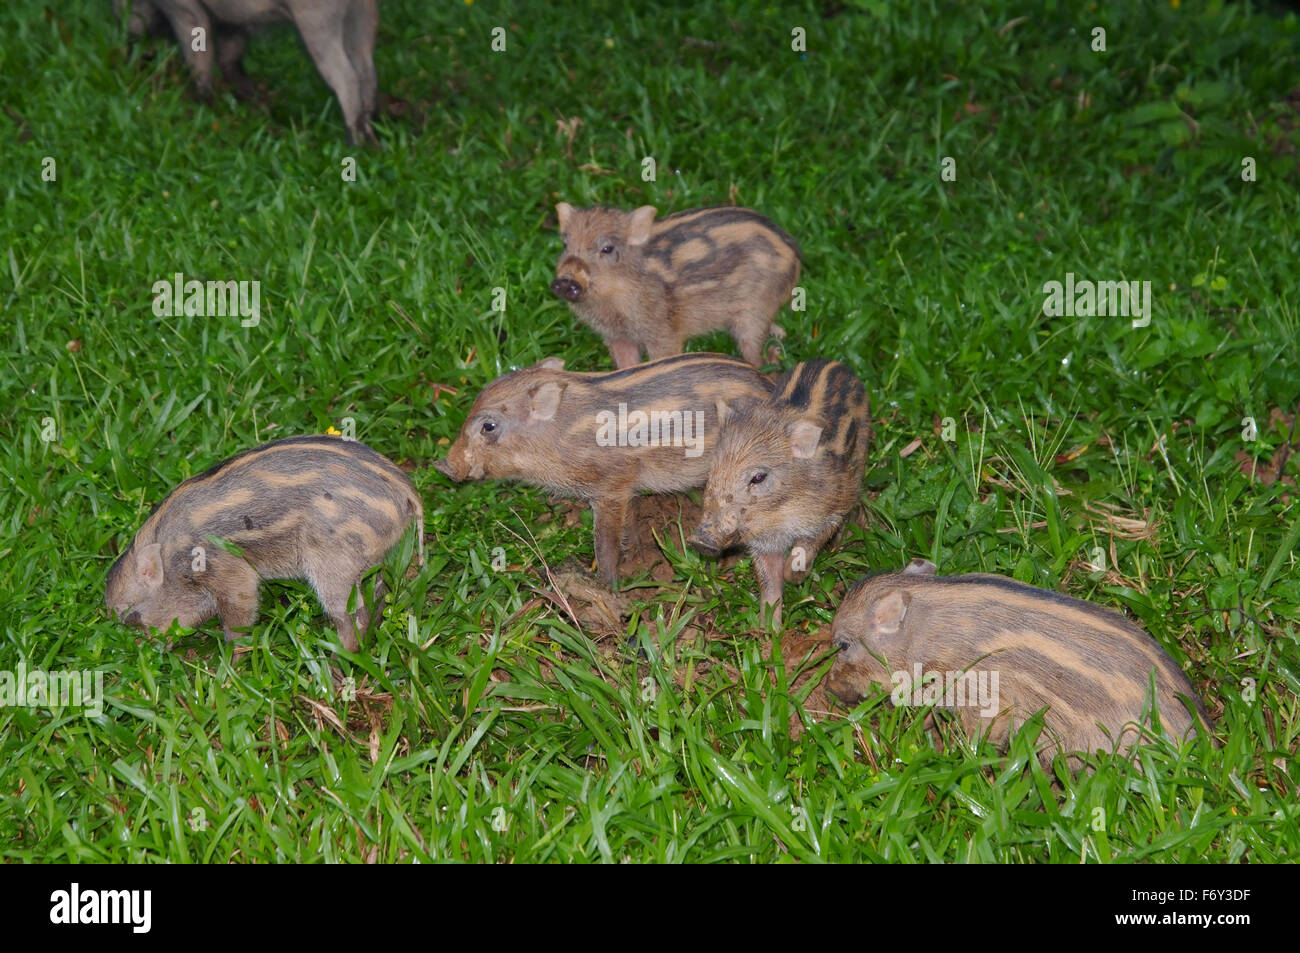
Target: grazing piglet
[
  {"x": 787, "y": 472},
  {"x": 603, "y": 438},
  {"x": 316, "y": 508},
  {"x": 995, "y": 651},
  {"x": 647, "y": 285},
  {"x": 339, "y": 35}
]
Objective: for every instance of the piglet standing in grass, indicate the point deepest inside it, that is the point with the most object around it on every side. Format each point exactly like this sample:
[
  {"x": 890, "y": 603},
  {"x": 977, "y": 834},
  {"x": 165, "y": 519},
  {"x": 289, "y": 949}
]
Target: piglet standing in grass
[
  {"x": 994, "y": 651},
  {"x": 603, "y": 438},
  {"x": 339, "y": 35},
  {"x": 786, "y": 473},
  {"x": 647, "y": 285},
  {"x": 316, "y": 508}
]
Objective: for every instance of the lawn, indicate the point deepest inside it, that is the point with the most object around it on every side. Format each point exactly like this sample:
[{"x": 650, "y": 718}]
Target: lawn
[{"x": 939, "y": 164}]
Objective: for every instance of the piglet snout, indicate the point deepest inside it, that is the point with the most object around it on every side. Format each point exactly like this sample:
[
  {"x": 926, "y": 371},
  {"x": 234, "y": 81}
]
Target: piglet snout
[{"x": 566, "y": 288}]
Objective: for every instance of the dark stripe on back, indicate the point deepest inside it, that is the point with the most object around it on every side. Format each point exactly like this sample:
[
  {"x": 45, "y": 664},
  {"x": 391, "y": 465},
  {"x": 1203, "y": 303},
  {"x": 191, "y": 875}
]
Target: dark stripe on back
[
  {"x": 850, "y": 436},
  {"x": 1048, "y": 595},
  {"x": 716, "y": 216},
  {"x": 796, "y": 386},
  {"x": 319, "y": 440},
  {"x": 697, "y": 359},
  {"x": 352, "y": 447}
]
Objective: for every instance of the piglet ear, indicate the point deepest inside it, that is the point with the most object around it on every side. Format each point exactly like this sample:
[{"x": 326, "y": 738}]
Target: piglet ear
[
  {"x": 551, "y": 363},
  {"x": 638, "y": 225},
  {"x": 565, "y": 211},
  {"x": 803, "y": 439},
  {"x": 887, "y": 614},
  {"x": 919, "y": 567},
  {"x": 149, "y": 565},
  {"x": 728, "y": 410},
  {"x": 545, "y": 401}
]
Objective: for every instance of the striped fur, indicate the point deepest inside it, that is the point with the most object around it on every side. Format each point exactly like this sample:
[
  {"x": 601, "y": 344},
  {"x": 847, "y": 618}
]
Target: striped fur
[
  {"x": 549, "y": 427},
  {"x": 647, "y": 286},
  {"x": 786, "y": 473},
  {"x": 829, "y": 393},
  {"x": 316, "y": 508},
  {"x": 1088, "y": 666}
]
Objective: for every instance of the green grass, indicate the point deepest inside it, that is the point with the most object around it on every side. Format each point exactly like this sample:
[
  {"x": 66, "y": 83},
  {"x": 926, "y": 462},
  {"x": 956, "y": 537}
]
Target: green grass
[{"x": 500, "y": 731}]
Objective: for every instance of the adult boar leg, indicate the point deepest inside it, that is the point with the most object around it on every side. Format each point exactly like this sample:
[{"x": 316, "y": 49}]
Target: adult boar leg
[
  {"x": 359, "y": 29},
  {"x": 187, "y": 16},
  {"x": 230, "y": 53},
  {"x": 324, "y": 41}
]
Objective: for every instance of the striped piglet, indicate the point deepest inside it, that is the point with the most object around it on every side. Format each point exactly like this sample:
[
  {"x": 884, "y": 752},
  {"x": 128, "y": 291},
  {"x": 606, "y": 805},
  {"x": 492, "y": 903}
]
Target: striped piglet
[
  {"x": 317, "y": 508},
  {"x": 786, "y": 473},
  {"x": 995, "y": 651}
]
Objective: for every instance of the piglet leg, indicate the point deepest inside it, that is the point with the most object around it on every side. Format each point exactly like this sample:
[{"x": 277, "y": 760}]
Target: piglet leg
[
  {"x": 803, "y": 552},
  {"x": 668, "y": 344},
  {"x": 237, "y": 600},
  {"x": 369, "y": 612},
  {"x": 610, "y": 518},
  {"x": 771, "y": 582},
  {"x": 334, "y": 588},
  {"x": 625, "y": 352}
]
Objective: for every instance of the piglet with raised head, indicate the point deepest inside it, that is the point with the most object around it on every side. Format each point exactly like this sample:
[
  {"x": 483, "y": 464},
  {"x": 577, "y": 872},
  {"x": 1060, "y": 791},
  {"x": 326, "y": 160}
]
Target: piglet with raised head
[
  {"x": 786, "y": 473},
  {"x": 647, "y": 285},
  {"x": 603, "y": 438}
]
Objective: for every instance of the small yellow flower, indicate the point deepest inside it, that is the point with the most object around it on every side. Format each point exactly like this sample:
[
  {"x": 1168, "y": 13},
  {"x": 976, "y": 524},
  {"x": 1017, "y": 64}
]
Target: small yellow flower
[
  {"x": 609, "y": 42},
  {"x": 1175, "y": 4},
  {"x": 332, "y": 432}
]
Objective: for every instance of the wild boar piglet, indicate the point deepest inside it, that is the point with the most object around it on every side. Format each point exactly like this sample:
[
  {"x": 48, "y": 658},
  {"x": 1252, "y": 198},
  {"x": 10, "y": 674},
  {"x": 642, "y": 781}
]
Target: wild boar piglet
[
  {"x": 603, "y": 438},
  {"x": 647, "y": 285},
  {"x": 315, "y": 508},
  {"x": 786, "y": 473},
  {"x": 995, "y": 651}
]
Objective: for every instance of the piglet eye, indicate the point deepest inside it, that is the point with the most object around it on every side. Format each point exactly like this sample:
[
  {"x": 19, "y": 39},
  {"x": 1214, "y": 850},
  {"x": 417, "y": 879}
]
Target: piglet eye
[
  {"x": 758, "y": 478},
  {"x": 607, "y": 250},
  {"x": 489, "y": 426}
]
